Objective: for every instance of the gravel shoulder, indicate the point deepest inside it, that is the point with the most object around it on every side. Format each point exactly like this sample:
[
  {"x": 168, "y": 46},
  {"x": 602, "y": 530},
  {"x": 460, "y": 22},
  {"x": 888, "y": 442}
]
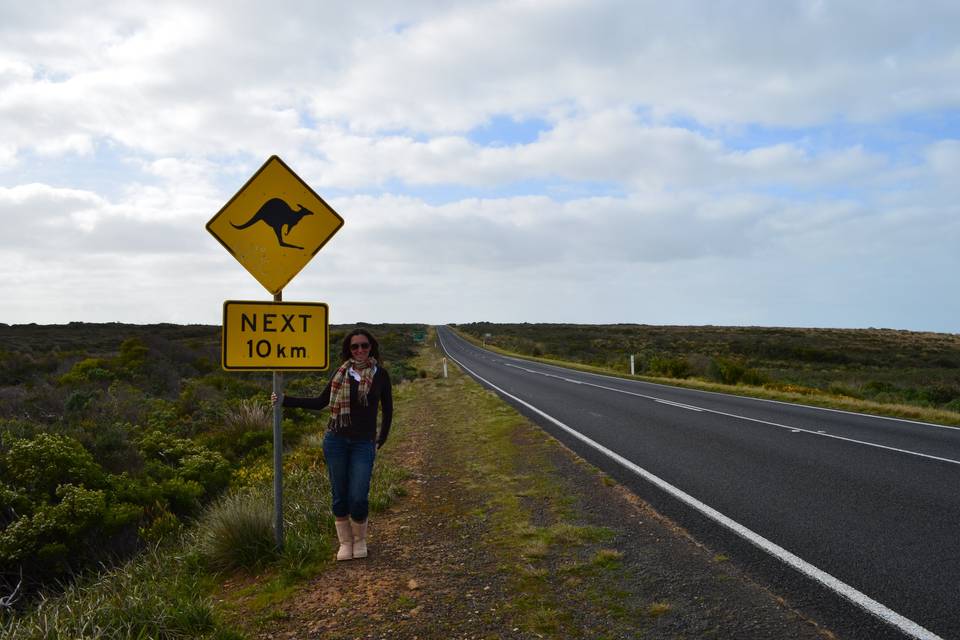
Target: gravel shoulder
[{"x": 505, "y": 533}]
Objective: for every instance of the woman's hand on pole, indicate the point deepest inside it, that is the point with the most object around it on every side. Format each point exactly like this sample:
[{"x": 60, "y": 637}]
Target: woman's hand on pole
[{"x": 273, "y": 399}]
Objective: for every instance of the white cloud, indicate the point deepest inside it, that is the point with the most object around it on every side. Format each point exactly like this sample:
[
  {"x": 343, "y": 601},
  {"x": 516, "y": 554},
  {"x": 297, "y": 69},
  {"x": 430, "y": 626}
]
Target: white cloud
[
  {"x": 648, "y": 176},
  {"x": 183, "y": 77}
]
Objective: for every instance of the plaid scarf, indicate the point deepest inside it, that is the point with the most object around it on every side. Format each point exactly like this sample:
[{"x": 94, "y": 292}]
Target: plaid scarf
[{"x": 340, "y": 391}]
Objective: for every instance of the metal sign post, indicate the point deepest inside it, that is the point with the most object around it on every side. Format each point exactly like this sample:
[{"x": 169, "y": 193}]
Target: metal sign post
[
  {"x": 274, "y": 226},
  {"x": 278, "y": 451}
]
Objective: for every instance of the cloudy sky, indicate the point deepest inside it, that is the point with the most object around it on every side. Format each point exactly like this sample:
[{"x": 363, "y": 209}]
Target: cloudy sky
[{"x": 790, "y": 163}]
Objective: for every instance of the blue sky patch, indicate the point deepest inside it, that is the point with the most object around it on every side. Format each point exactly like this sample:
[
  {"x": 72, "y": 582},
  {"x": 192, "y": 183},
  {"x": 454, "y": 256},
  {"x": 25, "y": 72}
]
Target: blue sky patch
[
  {"x": 506, "y": 131},
  {"x": 108, "y": 171}
]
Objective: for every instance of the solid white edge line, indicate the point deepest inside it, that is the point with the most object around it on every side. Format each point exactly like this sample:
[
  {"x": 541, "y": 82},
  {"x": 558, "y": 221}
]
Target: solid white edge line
[
  {"x": 740, "y": 417},
  {"x": 834, "y": 584}
]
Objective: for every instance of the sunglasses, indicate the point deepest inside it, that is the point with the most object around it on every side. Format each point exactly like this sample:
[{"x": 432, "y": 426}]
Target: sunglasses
[{"x": 356, "y": 346}]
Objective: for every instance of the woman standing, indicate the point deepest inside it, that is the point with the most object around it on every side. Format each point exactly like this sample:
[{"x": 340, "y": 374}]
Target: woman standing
[{"x": 354, "y": 393}]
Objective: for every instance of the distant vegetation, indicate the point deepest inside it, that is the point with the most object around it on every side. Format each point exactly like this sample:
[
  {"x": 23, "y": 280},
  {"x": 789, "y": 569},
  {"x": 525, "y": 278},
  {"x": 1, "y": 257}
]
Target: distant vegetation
[
  {"x": 878, "y": 365},
  {"x": 114, "y": 437}
]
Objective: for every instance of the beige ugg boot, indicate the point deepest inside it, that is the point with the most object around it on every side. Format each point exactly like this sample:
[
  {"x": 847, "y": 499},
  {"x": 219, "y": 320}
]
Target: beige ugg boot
[
  {"x": 359, "y": 538},
  {"x": 345, "y": 536}
]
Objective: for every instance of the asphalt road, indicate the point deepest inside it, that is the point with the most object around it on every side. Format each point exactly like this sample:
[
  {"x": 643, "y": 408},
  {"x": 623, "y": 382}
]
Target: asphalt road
[{"x": 855, "y": 517}]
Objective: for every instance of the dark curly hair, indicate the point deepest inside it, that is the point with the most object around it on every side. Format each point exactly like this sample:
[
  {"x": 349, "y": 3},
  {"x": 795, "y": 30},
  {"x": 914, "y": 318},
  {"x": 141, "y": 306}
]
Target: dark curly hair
[{"x": 374, "y": 345}]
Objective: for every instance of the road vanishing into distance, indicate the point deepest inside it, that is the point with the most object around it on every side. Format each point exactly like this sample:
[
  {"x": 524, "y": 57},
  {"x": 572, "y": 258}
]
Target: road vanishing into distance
[{"x": 854, "y": 519}]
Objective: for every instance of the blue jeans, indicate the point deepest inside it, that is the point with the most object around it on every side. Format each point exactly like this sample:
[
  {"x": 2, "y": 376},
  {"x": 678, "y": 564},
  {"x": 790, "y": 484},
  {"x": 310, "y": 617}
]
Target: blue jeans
[{"x": 350, "y": 464}]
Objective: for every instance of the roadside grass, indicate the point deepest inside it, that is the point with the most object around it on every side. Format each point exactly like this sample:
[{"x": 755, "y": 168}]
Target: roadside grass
[
  {"x": 557, "y": 564},
  {"x": 158, "y": 595},
  {"x": 176, "y": 589},
  {"x": 794, "y": 394}
]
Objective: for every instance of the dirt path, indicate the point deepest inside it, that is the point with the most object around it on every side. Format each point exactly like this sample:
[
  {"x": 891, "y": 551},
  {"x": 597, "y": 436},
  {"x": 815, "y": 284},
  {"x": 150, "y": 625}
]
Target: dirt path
[{"x": 504, "y": 533}]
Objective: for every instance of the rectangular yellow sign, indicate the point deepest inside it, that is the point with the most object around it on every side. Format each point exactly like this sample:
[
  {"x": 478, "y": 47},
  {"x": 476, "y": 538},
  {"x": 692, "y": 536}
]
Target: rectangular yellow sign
[{"x": 275, "y": 336}]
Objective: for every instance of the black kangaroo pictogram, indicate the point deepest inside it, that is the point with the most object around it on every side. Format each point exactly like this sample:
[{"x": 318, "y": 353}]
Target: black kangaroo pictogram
[{"x": 278, "y": 214}]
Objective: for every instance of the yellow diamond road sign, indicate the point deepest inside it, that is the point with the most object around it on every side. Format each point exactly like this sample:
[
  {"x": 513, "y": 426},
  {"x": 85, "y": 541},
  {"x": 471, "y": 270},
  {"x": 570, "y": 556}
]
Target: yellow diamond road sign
[{"x": 274, "y": 225}]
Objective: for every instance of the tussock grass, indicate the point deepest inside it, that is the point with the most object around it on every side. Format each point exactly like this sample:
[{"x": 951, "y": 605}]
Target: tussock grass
[
  {"x": 607, "y": 558},
  {"x": 237, "y": 533},
  {"x": 247, "y": 415}
]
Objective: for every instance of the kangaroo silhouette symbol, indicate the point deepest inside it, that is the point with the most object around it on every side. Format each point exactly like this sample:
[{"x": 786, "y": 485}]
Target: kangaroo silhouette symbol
[{"x": 276, "y": 213}]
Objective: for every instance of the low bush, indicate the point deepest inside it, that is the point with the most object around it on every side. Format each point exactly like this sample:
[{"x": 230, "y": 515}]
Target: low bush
[
  {"x": 838, "y": 389},
  {"x": 41, "y": 464},
  {"x": 669, "y": 367},
  {"x": 88, "y": 370},
  {"x": 729, "y": 371}
]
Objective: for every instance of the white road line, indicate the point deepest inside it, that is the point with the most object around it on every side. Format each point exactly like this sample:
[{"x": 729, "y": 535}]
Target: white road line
[
  {"x": 793, "y": 429},
  {"x": 682, "y": 406},
  {"x": 834, "y": 584}
]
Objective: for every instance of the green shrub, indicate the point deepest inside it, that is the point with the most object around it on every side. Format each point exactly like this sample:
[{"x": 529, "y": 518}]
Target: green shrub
[
  {"x": 161, "y": 526},
  {"x": 940, "y": 393},
  {"x": 728, "y": 371},
  {"x": 13, "y": 505},
  {"x": 54, "y": 530},
  {"x": 839, "y": 389},
  {"x": 162, "y": 417},
  {"x": 207, "y": 468},
  {"x": 133, "y": 354},
  {"x": 180, "y": 474},
  {"x": 41, "y": 464},
  {"x": 183, "y": 496},
  {"x": 878, "y": 386},
  {"x": 400, "y": 371},
  {"x": 79, "y": 399},
  {"x": 144, "y": 491},
  {"x": 109, "y": 442},
  {"x": 87, "y": 370},
  {"x": 669, "y": 367},
  {"x": 13, "y": 429}
]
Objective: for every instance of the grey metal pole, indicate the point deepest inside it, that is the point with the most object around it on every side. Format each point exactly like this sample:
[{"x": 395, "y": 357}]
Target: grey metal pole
[
  {"x": 278, "y": 452},
  {"x": 631, "y": 365}
]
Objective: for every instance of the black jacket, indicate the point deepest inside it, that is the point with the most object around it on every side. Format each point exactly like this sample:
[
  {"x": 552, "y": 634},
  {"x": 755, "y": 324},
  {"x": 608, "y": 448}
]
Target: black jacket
[{"x": 363, "y": 419}]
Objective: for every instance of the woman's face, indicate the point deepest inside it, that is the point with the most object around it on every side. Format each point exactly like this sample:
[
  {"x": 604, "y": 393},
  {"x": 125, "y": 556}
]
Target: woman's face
[{"x": 360, "y": 347}]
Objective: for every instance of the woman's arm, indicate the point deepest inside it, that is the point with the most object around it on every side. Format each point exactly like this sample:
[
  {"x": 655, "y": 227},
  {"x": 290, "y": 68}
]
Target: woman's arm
[
  {"x": 386, "y": 403},
  {"x": 320, "y": 402}
]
